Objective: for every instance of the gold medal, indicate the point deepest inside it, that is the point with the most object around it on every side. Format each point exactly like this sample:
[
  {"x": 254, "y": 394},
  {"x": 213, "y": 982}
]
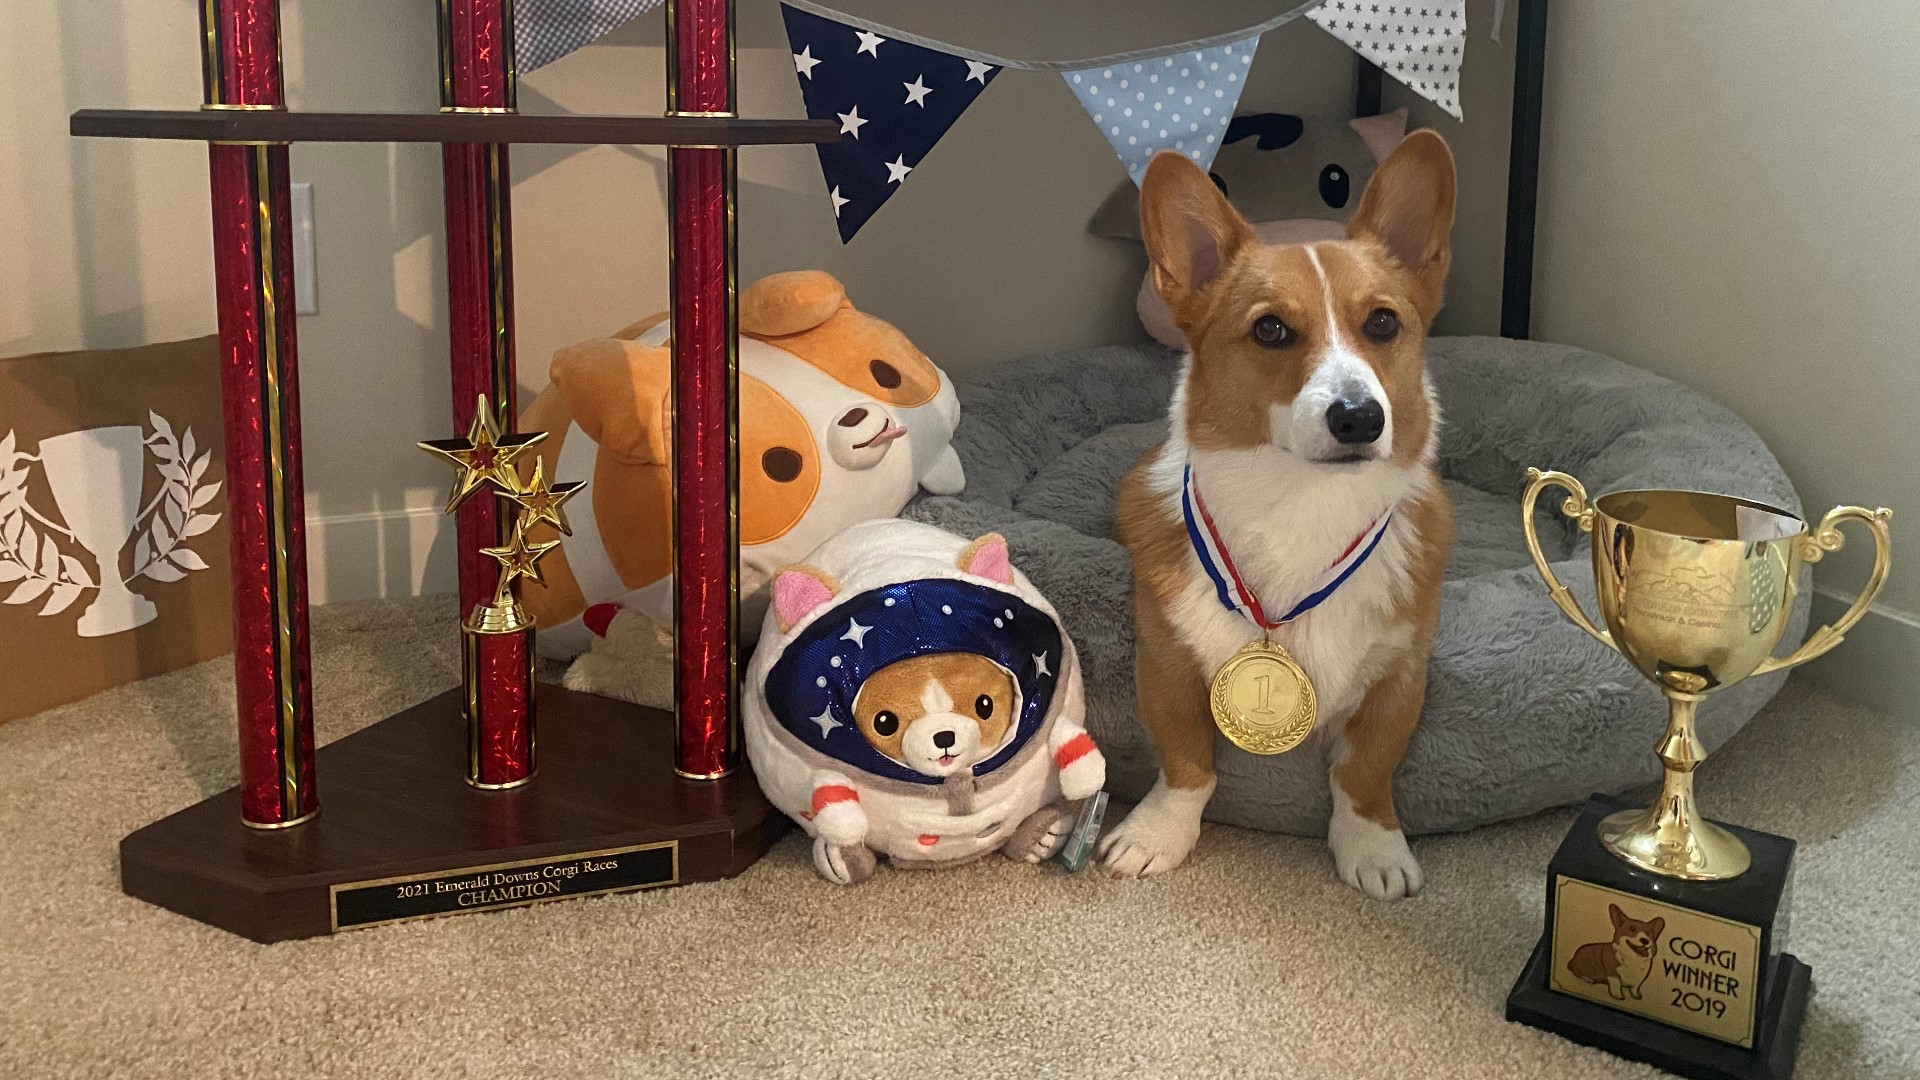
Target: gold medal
[{"x": 1262, "y": 699}]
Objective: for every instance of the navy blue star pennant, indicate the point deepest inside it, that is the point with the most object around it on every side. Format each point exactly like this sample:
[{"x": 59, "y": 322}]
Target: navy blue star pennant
[{"x": 892, "y": 99}]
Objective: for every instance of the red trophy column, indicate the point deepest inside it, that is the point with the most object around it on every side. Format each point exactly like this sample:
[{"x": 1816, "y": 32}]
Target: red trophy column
[
  {"x": 253, "y": 268},
  {"x": 477, "y": 75},
  {"x": 700, "y": 191}
]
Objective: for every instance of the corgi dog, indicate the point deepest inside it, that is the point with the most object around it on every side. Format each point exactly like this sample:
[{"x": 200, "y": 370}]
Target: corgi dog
[
  {"x": 1304, "y": 429},
  {"x": 842, "y": 418},
  {"x": 1623, "y": 963}
]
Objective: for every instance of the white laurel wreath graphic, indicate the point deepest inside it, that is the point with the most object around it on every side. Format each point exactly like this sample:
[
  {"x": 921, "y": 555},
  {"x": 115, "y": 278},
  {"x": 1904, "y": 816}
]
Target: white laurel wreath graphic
[{"x": 31, "y": 556}]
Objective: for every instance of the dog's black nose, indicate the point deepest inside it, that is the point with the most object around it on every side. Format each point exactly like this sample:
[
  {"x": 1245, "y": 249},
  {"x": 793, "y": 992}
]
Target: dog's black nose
[
  {"x": 854, "y": 416},
  {"x": 943, "y": 739},
  {"x": 1353, "y": 421}
]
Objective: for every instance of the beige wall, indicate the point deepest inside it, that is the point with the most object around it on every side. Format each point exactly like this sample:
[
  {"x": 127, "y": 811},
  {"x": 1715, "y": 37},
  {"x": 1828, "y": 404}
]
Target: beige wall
[
  {"x": 982, "y": 256},
  {"x": 1729, "y": 198}
]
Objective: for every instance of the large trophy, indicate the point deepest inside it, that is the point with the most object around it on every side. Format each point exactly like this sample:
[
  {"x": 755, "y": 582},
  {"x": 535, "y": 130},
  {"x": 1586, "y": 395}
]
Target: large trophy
[{"x": 1665, "y": 931}]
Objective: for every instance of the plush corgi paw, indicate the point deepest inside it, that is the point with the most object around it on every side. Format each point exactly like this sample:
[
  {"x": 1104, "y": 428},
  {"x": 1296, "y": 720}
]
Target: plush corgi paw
[
  {"x": 631, "y": 658},
  {"x": 843, "y": 864},
  {"x": 836, "y": 813},
  {"x": 1083, "y": 770},
  {"x": 1371, "y": 857},
  {"x": 1159, "y": 833},
  {"x": 1041, "y": 836}
]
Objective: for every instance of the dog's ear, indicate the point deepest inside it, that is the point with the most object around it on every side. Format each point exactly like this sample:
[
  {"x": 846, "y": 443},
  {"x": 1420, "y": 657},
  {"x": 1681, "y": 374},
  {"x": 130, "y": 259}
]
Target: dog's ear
[
  {"x": 1614, "y": 913},
  {"x": 1191, "y": 231},
  {"x": 987, "y": 558},
  {"x": 787, "y": 303},
  {"x": 799, "y": 591},
  {"x": 1657, "y": 927},
  {"x": 617, "y": 392},
  {"x": 1408, "y": 209}
]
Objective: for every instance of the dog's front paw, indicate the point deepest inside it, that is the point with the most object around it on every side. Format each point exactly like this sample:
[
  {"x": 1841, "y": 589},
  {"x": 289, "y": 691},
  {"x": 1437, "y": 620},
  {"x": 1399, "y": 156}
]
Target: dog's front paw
[
  {"x": 1372, "y": 858},
  {"x": 1159, "y": 833},
  {"x": 842, "y": 864}
]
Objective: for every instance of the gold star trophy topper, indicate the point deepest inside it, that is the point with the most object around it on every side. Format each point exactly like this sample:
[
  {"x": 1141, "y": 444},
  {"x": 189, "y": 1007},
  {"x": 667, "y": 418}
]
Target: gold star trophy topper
[{"x": 488, "y": 457}]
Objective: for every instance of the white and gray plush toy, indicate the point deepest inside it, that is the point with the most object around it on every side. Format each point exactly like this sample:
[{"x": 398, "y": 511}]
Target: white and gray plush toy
[{"x": 914, "y": 697}]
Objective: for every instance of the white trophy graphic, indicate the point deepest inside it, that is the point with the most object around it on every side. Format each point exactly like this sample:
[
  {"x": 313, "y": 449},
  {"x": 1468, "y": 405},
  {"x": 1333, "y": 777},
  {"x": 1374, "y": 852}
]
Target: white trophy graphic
[{"x": 96, "y": 476}]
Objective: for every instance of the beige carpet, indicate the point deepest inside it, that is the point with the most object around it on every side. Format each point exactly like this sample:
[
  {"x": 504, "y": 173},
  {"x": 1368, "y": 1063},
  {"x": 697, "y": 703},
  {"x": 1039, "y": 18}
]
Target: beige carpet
[{"x": 1250, "y": 961}]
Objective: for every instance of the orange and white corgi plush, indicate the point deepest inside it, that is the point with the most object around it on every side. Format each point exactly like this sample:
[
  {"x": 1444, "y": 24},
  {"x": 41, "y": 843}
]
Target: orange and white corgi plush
[
  {"x": 841, "y": 419},
  {"x": 914, "y": 697},
  {"x": 1295, "y": 497}
]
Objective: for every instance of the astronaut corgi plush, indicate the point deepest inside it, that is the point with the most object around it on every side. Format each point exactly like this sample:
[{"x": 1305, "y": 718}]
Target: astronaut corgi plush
[
  {"x": 841, "y": 419},
  {"x": 914, "y": 697}
]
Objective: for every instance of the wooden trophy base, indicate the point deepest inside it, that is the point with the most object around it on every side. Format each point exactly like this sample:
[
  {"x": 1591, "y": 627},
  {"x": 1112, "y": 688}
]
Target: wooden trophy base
[
  {"x": 1691, "y": 976},
  {"x": 401, "y": 835}
]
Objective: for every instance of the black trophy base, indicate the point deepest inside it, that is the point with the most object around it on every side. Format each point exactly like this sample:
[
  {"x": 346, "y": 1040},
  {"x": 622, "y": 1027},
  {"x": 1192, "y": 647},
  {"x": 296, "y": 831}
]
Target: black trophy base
[
  {"x": 402, "y": 836},
  {"x": 1690, "y": 977}
]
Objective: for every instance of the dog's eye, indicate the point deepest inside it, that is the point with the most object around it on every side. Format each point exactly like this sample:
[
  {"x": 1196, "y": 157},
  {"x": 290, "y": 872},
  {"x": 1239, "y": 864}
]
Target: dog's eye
[
  {"x": 983, "y": 706},
  {"x": 781, "y": 464},
  {"x": 885, "y": 374},
  {"x": 1268, "y": 330},
  {"x": 885, "y": 723},
  {"x": 1382, "y": 325}
]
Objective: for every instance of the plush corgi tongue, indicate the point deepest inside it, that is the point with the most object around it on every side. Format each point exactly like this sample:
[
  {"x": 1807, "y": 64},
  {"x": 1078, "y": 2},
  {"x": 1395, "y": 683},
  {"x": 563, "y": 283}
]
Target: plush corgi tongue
[{"x": 889, "y": 432}]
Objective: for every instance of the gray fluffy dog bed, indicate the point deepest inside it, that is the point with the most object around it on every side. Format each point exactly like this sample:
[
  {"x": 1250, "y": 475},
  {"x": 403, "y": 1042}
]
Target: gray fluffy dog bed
[{"x": 1524, "y": 711}]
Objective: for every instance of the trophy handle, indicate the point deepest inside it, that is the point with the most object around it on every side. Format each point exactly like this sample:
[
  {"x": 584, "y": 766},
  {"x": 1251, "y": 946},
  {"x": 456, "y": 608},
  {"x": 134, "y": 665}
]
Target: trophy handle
[
  {"x": 1575, "y": 506},
  {"x": 1827, "y": 537}
]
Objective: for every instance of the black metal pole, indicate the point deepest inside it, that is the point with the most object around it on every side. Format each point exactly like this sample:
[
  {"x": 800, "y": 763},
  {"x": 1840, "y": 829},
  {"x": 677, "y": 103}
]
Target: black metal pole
[{"x": 1523, "y": 168}]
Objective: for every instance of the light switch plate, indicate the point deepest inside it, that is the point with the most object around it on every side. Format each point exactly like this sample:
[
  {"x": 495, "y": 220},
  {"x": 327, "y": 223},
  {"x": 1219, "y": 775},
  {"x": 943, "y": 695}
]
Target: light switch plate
[{"x": 305, "y": 300}]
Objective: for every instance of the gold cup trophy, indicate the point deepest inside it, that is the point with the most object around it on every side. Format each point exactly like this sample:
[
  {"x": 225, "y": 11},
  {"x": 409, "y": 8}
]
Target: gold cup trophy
[{"x": 1665, "y": 931}]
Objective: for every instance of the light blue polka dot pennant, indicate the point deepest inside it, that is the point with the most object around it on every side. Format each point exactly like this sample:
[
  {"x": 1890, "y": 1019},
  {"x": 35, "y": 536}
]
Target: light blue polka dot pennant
[{"x": 1180, "y": 102}]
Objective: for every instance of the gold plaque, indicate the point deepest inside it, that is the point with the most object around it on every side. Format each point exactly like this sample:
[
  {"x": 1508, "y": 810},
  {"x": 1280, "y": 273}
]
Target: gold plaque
[
  {"x": 1671, "y": 964},
  {"x": 1262, "y": 699}
]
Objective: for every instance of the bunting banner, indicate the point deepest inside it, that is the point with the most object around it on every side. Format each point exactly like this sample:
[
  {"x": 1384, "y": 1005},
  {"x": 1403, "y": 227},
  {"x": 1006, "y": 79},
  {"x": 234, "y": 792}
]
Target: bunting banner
[
  {"x": 546, "y": 30},
  {"x": 1180, "y": 102},
  {"x": 895, "y": 94},
  {"x": 892, "y": 99},
  {"x": 1419, "y": 43}
]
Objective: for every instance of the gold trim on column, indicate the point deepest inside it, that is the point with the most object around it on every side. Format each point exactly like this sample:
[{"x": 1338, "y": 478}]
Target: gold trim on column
[{"x": 444, "y": 11}]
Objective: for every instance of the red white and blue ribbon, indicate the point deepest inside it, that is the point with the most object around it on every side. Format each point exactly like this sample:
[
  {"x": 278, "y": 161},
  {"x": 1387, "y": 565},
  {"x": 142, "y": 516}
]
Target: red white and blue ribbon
[{"x": 1235, "y": 593}]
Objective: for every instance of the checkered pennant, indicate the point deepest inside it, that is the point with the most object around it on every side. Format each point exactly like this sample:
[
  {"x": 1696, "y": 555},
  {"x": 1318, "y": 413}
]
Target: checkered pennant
[{"x": 546, "y": 30}]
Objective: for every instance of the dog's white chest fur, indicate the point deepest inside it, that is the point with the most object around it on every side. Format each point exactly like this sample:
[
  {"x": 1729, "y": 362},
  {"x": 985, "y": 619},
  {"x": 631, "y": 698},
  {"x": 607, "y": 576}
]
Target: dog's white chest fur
[
  {"x": 1284, "y": 522},
  {"x": 1633, "y": 967}
]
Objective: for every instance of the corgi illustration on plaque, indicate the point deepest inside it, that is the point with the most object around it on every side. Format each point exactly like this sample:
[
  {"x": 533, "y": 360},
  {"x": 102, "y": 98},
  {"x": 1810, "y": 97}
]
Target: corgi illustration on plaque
[
  {"x": 1622, "y": 962},
  {"x": 97, "y": 477}
]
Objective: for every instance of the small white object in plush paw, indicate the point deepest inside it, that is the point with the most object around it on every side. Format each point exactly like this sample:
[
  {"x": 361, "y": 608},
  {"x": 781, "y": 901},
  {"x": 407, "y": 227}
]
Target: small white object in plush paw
[
  {"x": 839, "y": 863},
  {"x": 1159, "y": 833},
  {"x": 1371, "y": 857},
  {"x": 1050, "y": 842}
]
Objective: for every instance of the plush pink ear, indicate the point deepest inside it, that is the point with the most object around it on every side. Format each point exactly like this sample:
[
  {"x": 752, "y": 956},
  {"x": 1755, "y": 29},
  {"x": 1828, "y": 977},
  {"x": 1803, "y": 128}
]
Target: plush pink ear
[
  {"x": 1381, "y": 133},
  {"x": 987, "y": 558},
  {"x": 797, "y": 592}
]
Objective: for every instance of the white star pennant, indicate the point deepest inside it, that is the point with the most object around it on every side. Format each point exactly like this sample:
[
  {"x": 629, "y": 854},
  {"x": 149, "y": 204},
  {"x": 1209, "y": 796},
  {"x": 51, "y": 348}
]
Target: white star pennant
[
  {"x": 1179, "y": 102},
  {"x": 1420, "y": 43}
]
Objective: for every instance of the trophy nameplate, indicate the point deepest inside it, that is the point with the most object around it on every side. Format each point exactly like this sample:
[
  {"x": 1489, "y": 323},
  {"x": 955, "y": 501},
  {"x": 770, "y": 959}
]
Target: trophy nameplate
[{"x": 358, "y": 904}]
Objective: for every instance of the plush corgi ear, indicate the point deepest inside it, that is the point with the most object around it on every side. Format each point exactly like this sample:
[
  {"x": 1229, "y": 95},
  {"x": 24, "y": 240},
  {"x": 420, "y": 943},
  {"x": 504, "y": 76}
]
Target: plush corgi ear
[
  {"x": 987, "y": 558},
  {"x": 1618, "y": 916},
  {"x": 789, "y": 303},
  {"x": 617, "y": 392},
  {"x": 1408, "y": 209},
  {"x": 1657, "y": 927},
  {"x": 799, "y": 591},
  {"x": 1191, "y": 231}
]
